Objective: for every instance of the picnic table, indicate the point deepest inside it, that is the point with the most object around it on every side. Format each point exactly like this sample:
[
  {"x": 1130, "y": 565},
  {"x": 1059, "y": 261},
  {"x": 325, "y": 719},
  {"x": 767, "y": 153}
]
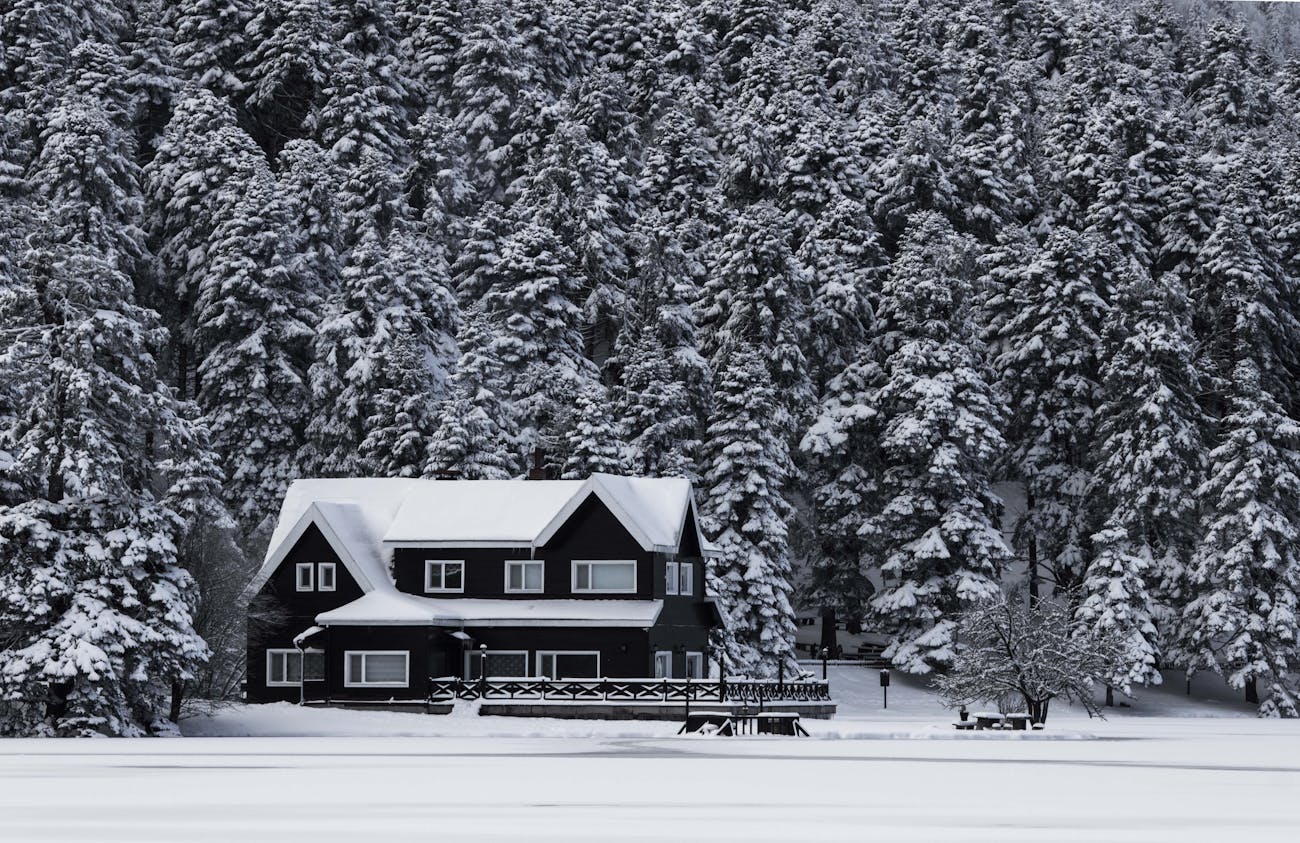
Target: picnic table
[
  {"x": 996, "y": 720},
  {"x": 759, "y": 723}
]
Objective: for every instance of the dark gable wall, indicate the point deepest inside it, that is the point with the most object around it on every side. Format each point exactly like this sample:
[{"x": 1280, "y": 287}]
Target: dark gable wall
[
  {"x": 280, "y": 611},
  {"x": 592, "y": 532}
]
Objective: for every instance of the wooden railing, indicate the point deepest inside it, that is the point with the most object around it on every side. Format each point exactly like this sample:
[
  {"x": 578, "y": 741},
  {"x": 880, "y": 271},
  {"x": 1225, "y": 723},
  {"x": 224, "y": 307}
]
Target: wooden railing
[{"x": 759, "y": 692}]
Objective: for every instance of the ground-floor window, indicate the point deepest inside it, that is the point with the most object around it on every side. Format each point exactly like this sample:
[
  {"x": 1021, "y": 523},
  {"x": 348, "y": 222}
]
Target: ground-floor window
[
  {"x": 694, "y": 665},
  {"x": 568, "y": 664},
  {"x": 663, "y": 664},
  {"x": 291, "y": 667},
  {"x": 376, "y": 668},
  {"x": 499, "y": 663}
]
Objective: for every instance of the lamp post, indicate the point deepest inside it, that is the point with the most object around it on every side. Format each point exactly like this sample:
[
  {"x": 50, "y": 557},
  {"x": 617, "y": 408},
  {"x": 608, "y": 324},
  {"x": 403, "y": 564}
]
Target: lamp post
[
  {"x": 826, "y": 654},
  {"x": 482, "y": 671}
]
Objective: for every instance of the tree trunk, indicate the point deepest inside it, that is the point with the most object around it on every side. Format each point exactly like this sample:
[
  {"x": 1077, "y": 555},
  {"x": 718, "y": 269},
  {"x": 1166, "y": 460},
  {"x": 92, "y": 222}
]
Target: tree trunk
[
  {"x": 1110, "y": 697},
  {"x": 178, "y": 696},
  {"x": 1033, "y": 555},
  {"x": 1252, "y": 691},
  {"x": 828, "y": 630}
]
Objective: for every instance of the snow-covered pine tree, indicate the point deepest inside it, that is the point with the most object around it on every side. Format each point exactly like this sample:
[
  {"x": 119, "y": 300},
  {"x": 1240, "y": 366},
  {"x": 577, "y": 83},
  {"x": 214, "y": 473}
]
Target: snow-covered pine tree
[
  {"x": 758, "y": 293},
  {"x": 592, "y": 442},
  {"x": 1050, "y": 372},
  {"x": 253, "y": 327},
  {"x": 1149, "y": 451},
  {"x": 1244, "y": 578},
  {"x": 209, "y": 41},
  {"x": 95, "y": 608},
  {"x": 934, "y": 529},
  {"x": 435, "y": 31},
  {"x": 746, "y": 467},
  {"x": 1117, "y": 602},
  {"x": 476, "y": 434},
  {"x": 403, "y": 417},
  {"x": 289, "y": 58}
]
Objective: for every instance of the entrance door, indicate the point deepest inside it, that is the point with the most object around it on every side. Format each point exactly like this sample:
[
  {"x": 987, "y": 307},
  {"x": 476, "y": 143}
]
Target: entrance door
[{"x": 499, "y": 663}]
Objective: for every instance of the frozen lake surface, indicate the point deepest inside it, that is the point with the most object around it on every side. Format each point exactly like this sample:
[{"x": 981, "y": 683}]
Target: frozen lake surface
[{"x": 1208, "y": 774}]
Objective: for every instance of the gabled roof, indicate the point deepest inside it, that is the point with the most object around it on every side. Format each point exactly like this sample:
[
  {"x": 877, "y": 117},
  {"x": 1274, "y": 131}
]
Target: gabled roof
[{"x": 364, "y": 518}]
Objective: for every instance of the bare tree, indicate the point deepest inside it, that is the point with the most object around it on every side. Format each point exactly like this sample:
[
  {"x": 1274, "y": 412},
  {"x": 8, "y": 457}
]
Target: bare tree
[{"x": 1034, "y": 650}]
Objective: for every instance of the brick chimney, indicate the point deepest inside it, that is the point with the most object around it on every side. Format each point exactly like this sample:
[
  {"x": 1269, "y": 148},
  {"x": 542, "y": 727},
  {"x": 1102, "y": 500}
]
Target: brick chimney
[{"x": 538, "y": 471}]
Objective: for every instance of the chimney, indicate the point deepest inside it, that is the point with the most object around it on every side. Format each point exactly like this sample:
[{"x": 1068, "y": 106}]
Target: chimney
[{"x": 538, "y": 471}]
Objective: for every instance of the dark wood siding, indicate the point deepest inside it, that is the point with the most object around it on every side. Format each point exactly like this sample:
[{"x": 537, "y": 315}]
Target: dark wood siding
[
  {"x": 623, "y": 651},
  {"x": 279, "y": 611}
]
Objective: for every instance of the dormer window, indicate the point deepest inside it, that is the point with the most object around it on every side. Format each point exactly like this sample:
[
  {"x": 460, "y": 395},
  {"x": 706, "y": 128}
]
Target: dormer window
[
  {"x": 326, "y": 579},
  {"x": 686, "y": 579},
  {"x": 305, "y": 572}
]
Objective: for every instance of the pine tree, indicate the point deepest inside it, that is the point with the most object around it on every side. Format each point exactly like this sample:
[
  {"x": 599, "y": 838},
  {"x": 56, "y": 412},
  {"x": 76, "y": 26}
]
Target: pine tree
[
  {"x": 1244, "y": 577},
  {"x": 486, "y": 88},
  {"x": 402, "y": 416},
  {"x": 746, "y": 466},
  {"x": 1050, "y": 373},
  {"x": 935, "y": 527},
  {"x": 209, "y": 42},
  {"x": 1150, "y": 454},
  {"x": 290, "y": 58},
  {"x": 476, "y": 434},
  {"x": 591, "y": 440}
]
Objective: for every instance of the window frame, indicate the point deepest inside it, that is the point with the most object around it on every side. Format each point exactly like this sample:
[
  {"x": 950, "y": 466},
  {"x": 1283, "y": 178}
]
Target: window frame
[
  {"x": 310, "y": 569},
  {"x": 670, "y": 578},
  {"x": 430, "y": 564},
  {"x": 698, "y": 657},
  {"x": 334, "y": 576},
  {"x": 552, "y": 653},
  {"x": 573, "y": 576},
  {"x": 686, "y": 577},
  {"x": 524, "y": 563},
  {"x": 473, "y": 655},
  {"x": 668, "y": 673},
  {"x": 349, "y": 681}
]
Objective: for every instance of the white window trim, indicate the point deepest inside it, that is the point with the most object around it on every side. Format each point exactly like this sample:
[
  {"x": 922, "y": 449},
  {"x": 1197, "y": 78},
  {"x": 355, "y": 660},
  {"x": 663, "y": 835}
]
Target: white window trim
[
  {"x": 310, "y": 568},
  {"x": 670, "y": 578},
  {"x": 271, "y": 683},
  {"x": 350, "y": 682},
  {"x": 430, "y": 564},
  {"x": 524, "y": 562},
  {"x": 689, "y": 581},
  {"x": 541, "y": 653},
  {"x": 472, "y": 657},
  {"x": 334, "y": 576},
  {"x": 669, "y": 673},
  {"x": 699, "y": 657},
  {"x": 573, "y": 576}
]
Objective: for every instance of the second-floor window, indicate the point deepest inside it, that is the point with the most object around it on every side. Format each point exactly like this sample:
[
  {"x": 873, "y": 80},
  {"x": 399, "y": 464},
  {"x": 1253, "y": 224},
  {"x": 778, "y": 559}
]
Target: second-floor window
[
  {"x": 670, "y": 578},
  {"x": 524, "y": 576},
  {"x": 686, "y": 579},
  {"x": 444, "y": 576},
  {"x": 315, "y": 576},
  {"x": 604, "y": 576},
  {"x": 306, "y": 572},
  {"x": 325, "y": 582}
]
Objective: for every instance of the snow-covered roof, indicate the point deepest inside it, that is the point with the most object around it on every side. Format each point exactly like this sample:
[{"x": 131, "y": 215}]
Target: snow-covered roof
[
  {"x": 392, "y": 607},
  {"x": 364, "y": 518}
]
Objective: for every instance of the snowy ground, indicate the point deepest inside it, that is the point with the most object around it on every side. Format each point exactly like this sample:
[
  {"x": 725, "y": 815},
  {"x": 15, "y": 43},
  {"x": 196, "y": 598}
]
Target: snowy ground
[{"x": 1170, "y": 768}]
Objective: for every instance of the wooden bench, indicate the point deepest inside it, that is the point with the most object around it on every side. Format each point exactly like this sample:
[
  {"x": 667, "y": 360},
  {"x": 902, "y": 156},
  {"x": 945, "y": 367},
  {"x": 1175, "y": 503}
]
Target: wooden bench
[
  {"x": 779, "y": 723},
  {"x": 708, "y": 722},
  {"x": 964, "y": 725}
]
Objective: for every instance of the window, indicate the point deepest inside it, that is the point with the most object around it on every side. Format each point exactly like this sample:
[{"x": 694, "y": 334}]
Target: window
[
  {"x": 694, "y": 665},
  {"x": 663, "y": 664},
  {"x": 605, "y": 577},
  {"x": 444, "y": 576},
  {"x": 306, "y": 581},
  {"x": 283, "y": 667},
  {"x": 524, "y": 576},
  {"x": 313, "y": 665},
  {"x": 375, "y": 668},
  {"x": 325, "y": 582},
  {"x": 686, "y": 579},
  {"x": 568, "y": 664},
  {"x": 499, "y": 663},
  {"x": 670, "y": 578}
]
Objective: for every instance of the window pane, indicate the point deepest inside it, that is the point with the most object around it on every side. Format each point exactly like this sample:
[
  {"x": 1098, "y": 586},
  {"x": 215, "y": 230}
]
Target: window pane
[
  {"x": 583, "y": 577},
  {"x": 575, "y": 666},
  {"x": 313, "y": 667},
  {"x": 386, "y": 667},
  {"x": 453, "y": 575},
  {"x": 548, "y": 666},
  {"x": 507, "y": 664},
  {"x": 695, "y": 665},
  {"x": 354, "y": 667},
  {"x": 275, "y": 665},
  {"x": 293, "y": 662},
  {"x": 663, "y": 665},
  {"x": 613, "y": 576},
  {"x": 686, "y": 578},
  {"x": 327, "y": 577},
  {"x": 533, "y": 577},
  {"x": 515, "y": 576},
  {"x": 670, "y": 577}
]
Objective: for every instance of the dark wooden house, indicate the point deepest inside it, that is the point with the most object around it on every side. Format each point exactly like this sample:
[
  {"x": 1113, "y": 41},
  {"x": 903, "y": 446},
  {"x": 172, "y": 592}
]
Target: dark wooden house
[{"x": 373, "y": 587}]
